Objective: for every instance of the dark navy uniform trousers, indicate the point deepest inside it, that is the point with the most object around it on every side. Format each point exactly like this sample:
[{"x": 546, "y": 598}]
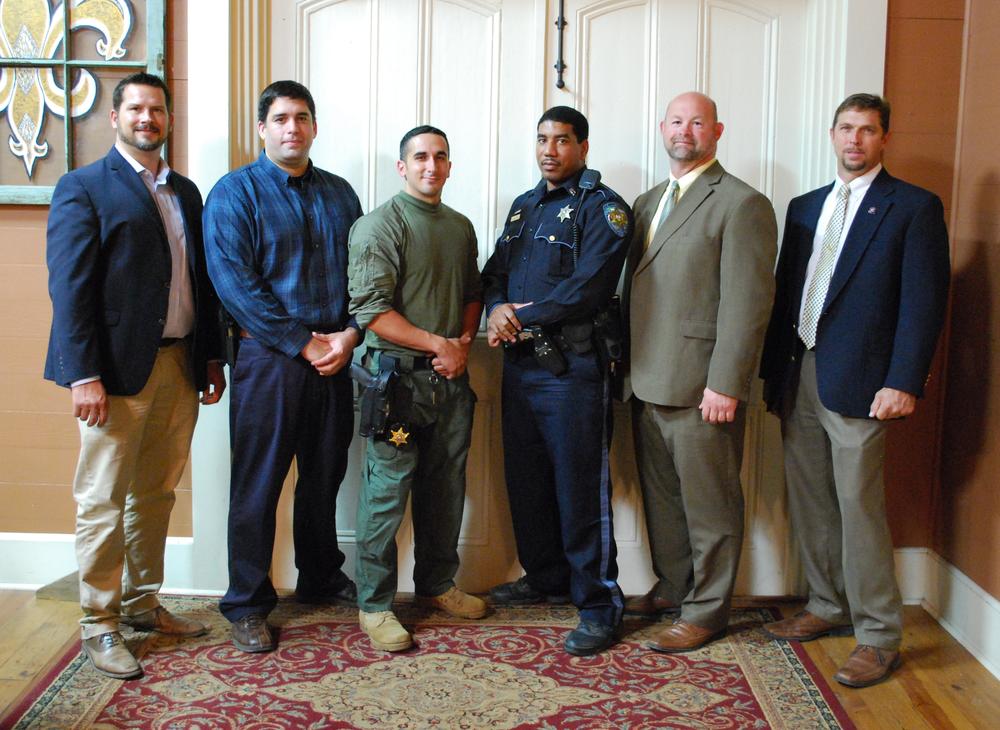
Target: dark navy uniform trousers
[
  {"x": 282, "y": 408},
  {"x": 556, "y": 431}
]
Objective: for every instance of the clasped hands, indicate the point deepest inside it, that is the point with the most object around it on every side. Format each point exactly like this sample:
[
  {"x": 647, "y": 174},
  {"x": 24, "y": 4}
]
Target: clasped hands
[
  {"x": 451, "y": 356},
  {"x": 330, "y": 352}
]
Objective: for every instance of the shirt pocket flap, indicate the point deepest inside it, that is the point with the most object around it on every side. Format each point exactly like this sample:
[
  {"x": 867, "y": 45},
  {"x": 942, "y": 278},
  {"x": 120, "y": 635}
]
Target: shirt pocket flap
[
  {"x": 512, "y": 231},
  {"x": 555, "y": 233}
]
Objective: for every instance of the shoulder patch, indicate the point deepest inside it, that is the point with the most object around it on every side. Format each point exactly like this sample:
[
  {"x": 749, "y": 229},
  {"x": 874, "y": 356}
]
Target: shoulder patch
[{"x": 617, "y": 218}]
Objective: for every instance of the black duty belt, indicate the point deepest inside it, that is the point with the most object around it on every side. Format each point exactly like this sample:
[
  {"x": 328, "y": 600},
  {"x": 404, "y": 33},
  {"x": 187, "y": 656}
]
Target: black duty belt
[{"x": 406, "y": 363}]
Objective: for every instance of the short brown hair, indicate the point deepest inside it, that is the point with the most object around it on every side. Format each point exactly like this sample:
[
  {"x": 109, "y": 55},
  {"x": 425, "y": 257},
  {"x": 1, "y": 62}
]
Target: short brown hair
[{"x": 865, "y": 102}]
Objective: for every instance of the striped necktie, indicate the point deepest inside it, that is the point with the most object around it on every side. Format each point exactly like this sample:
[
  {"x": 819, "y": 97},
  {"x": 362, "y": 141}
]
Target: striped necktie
[{"x": 820, "y": 282}]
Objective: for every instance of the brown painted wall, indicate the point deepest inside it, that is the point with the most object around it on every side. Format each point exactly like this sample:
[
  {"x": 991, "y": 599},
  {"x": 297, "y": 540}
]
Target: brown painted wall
[
  {"x": 967, "y": 528},
  {"x": 922, "y": 81},
  {"x": 38, "y": 437}
]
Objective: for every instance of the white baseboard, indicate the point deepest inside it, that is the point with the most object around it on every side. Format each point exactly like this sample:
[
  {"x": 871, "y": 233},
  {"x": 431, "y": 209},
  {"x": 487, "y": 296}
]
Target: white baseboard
[
  {"x": 31, "y": 560},
  {"x": 963, "y": 609}
]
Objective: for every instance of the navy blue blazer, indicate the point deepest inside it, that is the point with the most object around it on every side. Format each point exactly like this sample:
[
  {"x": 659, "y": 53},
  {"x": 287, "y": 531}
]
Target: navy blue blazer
[
  {"x": 109, "y": 277},
  {"x": 885, "y": 305}
]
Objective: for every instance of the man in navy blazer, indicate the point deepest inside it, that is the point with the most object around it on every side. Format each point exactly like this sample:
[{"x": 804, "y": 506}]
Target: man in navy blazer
[
  {"x": 862, "y": 286},
  {"x": 134, "y": 336}
]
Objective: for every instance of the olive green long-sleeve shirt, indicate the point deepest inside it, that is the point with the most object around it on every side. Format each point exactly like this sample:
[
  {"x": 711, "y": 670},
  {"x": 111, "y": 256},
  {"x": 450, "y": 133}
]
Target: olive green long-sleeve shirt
[{"x": 418, "y": 259}]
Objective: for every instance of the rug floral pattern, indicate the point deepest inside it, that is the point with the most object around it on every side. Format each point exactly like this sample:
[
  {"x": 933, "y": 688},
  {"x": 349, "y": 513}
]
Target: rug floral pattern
[{"x": 506, "y": 672}]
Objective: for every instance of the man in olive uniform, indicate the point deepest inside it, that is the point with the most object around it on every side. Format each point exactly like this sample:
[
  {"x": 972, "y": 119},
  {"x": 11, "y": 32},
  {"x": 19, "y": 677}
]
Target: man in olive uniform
[
  {"x": 414, "y": 284},
  {"x": 555, "y": 267}
]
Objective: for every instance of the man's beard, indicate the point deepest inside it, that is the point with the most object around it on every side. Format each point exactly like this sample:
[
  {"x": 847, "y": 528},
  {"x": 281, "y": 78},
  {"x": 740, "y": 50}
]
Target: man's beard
[
  {"x": 145, "y": 146},
  {"x": 685, "y": 154}
]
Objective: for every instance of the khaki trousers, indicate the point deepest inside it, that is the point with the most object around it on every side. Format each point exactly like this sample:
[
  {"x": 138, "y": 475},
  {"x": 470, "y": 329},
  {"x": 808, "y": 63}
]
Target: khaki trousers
[
  {"x": 124, "y": 491},
  {"x": 836, "y": 498},
  {"x": 689, "y": 471}
]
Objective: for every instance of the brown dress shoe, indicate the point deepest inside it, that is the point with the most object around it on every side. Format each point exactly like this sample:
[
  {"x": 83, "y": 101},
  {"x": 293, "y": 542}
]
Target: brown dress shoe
[
  {"x": 867, "y": 665},
  {"x": 805, "y": 626},
  {"x": 162, "y": 621},
  {"x": 650, "y": 605},
  {"x": 109, "y": 655},
  {"x": 682, "y": 636},
  {"x": 252, "y": 634}
]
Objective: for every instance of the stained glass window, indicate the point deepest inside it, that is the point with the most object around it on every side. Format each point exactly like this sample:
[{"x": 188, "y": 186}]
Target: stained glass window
[{"x": 58, "y": 56}]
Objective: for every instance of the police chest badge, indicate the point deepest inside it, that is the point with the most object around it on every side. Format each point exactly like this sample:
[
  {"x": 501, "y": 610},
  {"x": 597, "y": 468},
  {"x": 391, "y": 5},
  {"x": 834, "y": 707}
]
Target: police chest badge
[{"x": 617, "y": 219}]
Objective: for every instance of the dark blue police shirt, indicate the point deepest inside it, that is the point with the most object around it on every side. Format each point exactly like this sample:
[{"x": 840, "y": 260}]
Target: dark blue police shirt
[{"x": 533, "y": 258}]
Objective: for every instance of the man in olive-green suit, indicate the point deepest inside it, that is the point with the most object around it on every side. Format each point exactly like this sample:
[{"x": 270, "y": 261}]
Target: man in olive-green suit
[{"x": 699, "y": 285}]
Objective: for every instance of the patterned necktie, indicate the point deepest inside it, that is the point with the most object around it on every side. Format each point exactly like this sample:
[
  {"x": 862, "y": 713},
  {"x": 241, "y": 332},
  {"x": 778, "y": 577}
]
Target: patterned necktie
[
  {"x": 820, "y": 283},
  {"x": 668, "y": 205}
]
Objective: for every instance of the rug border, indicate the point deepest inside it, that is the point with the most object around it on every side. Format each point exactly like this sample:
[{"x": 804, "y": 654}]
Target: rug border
[{"x": 818, "y": 678}]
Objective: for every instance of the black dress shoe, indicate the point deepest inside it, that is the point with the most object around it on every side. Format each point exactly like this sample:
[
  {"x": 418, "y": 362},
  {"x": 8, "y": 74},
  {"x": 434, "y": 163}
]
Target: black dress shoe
[
  {"x": 252, "y": 634},
  {"x": 344, "y": 595},
  {"x": 521, "y": 593},
  {"x": 590, "y": 638}
]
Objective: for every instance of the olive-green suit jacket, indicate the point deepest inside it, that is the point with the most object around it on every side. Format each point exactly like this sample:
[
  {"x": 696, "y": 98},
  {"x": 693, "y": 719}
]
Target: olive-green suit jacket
[{"x": 698, "y": 300}]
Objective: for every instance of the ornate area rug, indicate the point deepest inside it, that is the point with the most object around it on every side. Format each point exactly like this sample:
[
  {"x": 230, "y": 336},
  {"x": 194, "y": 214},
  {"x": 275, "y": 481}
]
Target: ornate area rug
[{"x": 506, "y": 671}]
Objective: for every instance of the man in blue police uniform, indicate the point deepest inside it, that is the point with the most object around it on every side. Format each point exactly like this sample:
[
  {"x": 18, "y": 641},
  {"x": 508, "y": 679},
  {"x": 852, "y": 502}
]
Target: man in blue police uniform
[{"x": 554, "y": 269}]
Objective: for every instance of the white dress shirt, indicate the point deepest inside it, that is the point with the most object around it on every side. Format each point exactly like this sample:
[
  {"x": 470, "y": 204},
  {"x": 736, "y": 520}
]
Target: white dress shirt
[
  {"x": 180, "y": 306},
  {"x": 858, "y": 187}
]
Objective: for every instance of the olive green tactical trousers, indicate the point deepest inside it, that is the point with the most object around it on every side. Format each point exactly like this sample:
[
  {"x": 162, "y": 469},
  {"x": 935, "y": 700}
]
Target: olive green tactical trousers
[{"x": 427, "y": 460}]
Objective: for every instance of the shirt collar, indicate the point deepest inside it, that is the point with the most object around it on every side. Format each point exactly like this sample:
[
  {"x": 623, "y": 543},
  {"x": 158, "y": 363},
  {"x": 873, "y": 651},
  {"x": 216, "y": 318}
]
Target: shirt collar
[
  {"x": 861, "y": 182},
  {"x": 687, "y": 180},
  {"x": 162, "y": 172},
  {"x": 570, "y": 185},
  {"x": 279, "y": 175}
]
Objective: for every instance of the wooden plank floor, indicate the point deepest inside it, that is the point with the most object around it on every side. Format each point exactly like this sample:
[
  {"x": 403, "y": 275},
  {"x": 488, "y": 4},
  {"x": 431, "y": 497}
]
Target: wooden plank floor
[{"x": 939, "y": 686}]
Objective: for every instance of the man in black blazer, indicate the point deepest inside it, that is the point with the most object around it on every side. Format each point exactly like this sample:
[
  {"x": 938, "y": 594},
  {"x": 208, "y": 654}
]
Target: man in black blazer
[
  {"x": 134, "y": 336},
  {"x": 862, "y": 285}
]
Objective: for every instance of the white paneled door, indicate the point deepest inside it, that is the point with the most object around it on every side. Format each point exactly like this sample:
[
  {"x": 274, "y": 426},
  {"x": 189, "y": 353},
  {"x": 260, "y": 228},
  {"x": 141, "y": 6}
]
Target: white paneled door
[{"x": 483, "y": 71}]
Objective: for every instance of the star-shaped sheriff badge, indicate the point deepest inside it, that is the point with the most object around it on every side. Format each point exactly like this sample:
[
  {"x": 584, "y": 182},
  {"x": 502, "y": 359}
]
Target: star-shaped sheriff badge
[
  {"x": 399, "y": 436},
  {"x": 564, "y": 213}
]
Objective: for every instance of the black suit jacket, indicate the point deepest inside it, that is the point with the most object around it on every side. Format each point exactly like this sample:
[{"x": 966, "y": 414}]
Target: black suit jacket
[
  {"x": 885, "y": 305},
  {"x": 109, "y": 277}
]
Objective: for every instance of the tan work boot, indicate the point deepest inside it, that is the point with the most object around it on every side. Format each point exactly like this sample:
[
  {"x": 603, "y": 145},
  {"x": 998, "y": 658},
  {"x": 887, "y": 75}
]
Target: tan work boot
[
  {"x": 109, "y": 655},
  {"x": 455, "y": 603},
  {"x": 385, "y": 631}
]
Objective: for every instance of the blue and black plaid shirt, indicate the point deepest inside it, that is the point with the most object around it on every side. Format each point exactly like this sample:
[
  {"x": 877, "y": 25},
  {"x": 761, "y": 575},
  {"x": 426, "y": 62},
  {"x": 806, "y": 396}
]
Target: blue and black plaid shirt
[{"x": 277, "y": 251}]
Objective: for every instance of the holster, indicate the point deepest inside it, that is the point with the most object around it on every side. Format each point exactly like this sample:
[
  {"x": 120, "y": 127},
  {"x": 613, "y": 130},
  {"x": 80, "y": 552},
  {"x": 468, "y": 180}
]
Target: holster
[
  {"x": 609, "y": 334},
  {"x": 376, "y": 399}
]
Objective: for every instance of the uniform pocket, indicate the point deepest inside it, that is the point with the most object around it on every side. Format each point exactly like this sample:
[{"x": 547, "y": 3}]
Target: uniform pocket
[{"x": 559, "y": 237}]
